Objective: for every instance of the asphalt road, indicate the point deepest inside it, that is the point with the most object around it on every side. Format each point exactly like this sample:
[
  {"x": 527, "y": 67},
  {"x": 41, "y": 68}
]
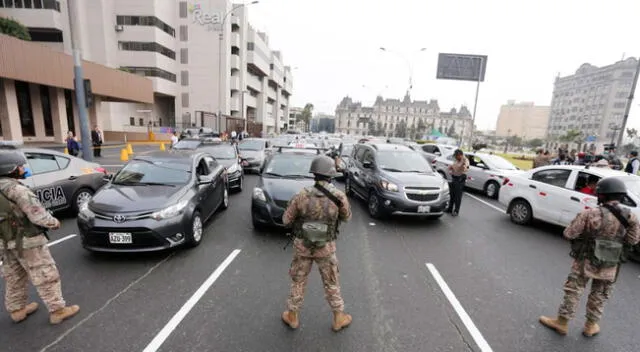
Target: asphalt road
[{"x": 228, "y": 293}]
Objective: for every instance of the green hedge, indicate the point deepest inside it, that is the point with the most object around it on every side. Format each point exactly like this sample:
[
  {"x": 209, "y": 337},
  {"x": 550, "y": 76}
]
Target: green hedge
[{"x": 13, "y": 28}]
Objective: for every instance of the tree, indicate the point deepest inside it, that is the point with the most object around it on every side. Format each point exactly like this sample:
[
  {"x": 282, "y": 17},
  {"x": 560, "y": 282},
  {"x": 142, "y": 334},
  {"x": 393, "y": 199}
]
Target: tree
[
  {"x": 632, "y": 133},
  {"x": 451, "y": 131},
  {"x": 371, "y": 128},
  {"x": 514, "y": 141},
  {"x": 571, "y": 136},
  {"x": 13, "y": 28},
  {"x": 401, "y": 129},
  {"x": 412, "y": 132},
  {"x": 421, "y": 126},
  {"x": 306, "y": 114},
  {"x": 535, "y": 143},
  {"x": 379, "y": 130}
]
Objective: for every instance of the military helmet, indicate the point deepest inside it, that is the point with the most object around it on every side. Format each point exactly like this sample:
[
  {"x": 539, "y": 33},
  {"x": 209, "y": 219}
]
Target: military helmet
[
  {"x": 324, "y": 166},
  {"x": 10, "y": 159},
  {"x": 611, "y": 185}
]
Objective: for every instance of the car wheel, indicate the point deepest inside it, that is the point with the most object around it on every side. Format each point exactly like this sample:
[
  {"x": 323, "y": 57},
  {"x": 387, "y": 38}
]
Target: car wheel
[
  {"x": 195, "y": 232},
  {"x": 491, "y": 189},
  {"x": 347, "y": 187},
  {"x": 373, "y": 204},
  {"x": 225, "y": 199},
  {"x": 81, "y": 196},
  {"x": 520, "y": 212}
]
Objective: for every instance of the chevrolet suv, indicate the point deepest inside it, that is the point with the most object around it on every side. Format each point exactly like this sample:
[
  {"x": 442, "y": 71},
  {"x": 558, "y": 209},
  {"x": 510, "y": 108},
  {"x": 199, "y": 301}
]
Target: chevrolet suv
[{"x": 395, "y": 180}]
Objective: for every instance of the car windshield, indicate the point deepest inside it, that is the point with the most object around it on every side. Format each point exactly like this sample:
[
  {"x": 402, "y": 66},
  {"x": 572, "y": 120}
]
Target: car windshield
[
  {"x": 251, "y": 145},
  {"x": 633, "y": 185},
  {"x": 288, "y": 165},
  {"x": 139, "y": 172},
  {"x": 403, "y": 161},
  {"x": 347, "y": 149},
  {"x": 499, "y": 162},
  {"x": 184, "y": 144},
  {"x": 222, "y": 152}
]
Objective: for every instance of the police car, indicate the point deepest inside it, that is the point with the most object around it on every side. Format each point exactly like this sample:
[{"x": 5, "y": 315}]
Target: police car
[{"x": 60, "y": 181}]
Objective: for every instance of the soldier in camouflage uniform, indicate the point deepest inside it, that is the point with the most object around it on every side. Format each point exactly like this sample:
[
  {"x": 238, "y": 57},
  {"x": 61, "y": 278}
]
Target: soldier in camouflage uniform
[
  {"x": 308, "y": 206},
  {"x": 24, "y": 246},
  {"x": 599, "y": 224}
]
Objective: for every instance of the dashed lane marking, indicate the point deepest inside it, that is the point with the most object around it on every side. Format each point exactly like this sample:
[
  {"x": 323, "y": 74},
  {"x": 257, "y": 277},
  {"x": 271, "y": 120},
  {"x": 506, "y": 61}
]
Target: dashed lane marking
[
  {"x": 68, "y": 237},
  {"x": 157, "y": 341},
  {"x": 466, "y": 320}
]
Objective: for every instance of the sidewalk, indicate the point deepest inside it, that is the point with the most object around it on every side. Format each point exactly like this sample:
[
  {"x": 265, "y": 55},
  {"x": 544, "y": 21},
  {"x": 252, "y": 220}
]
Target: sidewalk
[{"x": 108, "y": 145}]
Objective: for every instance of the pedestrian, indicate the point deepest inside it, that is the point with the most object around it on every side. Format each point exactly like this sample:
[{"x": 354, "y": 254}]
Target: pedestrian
[
  {"x": 580, "y": 160},
  {"x": 599, "y": 237},
  {"x": 25, "y": 254},
  {"x": 540, "y": 159},
  {"x": 633, "y": 165},
  {"x": 174, "y": 139},
  {"x": 315, "y": 214},
  {"x": 96, "y": 140},
  {"x": 73, "y": 147},
  {"x": 458, "y": 171}
]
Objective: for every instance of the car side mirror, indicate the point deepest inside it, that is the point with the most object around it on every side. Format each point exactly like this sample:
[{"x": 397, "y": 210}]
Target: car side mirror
[
  {"x": 437, "y": 153},
  {"x": 204, "y": 180},
  {"x": 108, "y": 177},
  {"x": 367, "y": 164}
]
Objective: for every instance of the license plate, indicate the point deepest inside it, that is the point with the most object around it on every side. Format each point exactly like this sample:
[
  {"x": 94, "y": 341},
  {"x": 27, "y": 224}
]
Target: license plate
[
  {"x": 424, "y": 209},
  {"x": 120, "y": 237}
]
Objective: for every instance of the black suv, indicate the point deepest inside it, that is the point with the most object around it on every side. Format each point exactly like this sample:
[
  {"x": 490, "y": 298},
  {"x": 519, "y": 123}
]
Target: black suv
[{"x": 394, "y": 179}]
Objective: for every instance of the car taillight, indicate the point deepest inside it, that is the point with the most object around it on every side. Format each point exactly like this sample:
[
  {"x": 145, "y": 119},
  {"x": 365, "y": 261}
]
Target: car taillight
[
  {"x": 101, "y": 169},
  {"x": 506, "y": 180}
]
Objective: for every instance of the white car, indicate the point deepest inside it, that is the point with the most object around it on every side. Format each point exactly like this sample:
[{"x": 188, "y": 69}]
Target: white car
[{"x": 557, "y": 193}]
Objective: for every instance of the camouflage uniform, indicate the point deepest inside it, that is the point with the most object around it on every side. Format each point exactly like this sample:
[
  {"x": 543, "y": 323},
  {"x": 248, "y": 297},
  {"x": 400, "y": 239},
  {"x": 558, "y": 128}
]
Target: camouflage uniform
[
  {"x": 35, "y": 261},
  {"x": 312, "y": 204},
  {"x": 540, "y": 160},
  {"x": 591, "y": 221}
]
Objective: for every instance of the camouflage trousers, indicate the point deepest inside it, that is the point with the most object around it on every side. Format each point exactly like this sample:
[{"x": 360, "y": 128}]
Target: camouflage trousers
[
  {"x": 299, "y": 272},
  {"x": 573, "y": 288},
  {"x": 37, "y": 265}
]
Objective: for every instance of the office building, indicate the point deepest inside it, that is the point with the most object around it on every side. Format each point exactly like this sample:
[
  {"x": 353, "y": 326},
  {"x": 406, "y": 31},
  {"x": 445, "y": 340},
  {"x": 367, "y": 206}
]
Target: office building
[
  {"x": 593, "y": 101},
  {"x": 176, "y": 45},
  {"x": 524, "y": 120},
  {"x": 415, "y": 118}
]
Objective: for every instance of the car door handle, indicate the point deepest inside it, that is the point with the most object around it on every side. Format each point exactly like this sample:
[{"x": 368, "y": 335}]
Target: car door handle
[
  {"x": 532, "y": 186},
  {"x": 73, "y": 177},
  {"x": 575, "y": 199}
]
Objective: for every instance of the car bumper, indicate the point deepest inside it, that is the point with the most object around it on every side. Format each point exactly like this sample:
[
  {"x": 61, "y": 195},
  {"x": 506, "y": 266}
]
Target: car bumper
[
  {"x": 253, "y": 165},
  {"x": 147, "y": 235},
  {"x": 267, "y": 214},
  {"x": 235, "y": 179},
  {"x": 398, "y": 203}
]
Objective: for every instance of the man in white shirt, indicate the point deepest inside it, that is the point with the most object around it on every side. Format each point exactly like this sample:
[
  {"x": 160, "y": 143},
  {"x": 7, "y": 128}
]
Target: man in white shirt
[{"x": 174, "y": 139}]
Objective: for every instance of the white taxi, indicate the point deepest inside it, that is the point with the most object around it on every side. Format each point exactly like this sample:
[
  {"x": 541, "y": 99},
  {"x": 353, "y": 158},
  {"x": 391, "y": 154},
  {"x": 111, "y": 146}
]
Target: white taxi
[{"x": 557, "y": 193}]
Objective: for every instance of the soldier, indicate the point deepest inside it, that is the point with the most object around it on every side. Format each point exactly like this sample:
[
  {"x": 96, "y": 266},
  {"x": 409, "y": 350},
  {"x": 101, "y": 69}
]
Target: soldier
[
  {"x": 315, "y": 213},
  {"x": 458, "y": 171},
  {"x": 24, "y": 245},
  {"x": 598, "y": 238}
]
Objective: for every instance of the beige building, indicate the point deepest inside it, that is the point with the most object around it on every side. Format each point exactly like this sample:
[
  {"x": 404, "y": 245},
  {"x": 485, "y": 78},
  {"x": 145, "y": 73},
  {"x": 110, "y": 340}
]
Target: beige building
[{"x": 524, "y": 120}]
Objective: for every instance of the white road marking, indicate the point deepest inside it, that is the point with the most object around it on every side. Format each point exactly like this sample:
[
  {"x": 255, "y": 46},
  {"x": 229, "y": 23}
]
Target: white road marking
[
  {"x": 119, "y": 165},
  {"x": 61, "y": 239},
  {"x": 486, "y": 203},
  {"x": 191, "y": 302},
  {"x": 466, "y": 320}
]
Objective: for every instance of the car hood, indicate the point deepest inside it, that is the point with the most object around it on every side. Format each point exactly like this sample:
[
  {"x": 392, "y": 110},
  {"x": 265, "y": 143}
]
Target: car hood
[
  {"x": 282, "y": 189},
  {"x": 119, "y": 198},
  {"x": 411, "y": 179},
  {"x": 256, "y": 154}
]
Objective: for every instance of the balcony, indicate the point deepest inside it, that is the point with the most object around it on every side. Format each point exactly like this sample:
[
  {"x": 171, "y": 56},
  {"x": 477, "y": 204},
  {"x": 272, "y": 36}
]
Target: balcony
[
  {"x": 235, "y": 83},
  {"x": 234, "y": 103},
  {"x": 250, "y": 101},
  {"x": 258, "y": 62},
  {"x": 164, "y": 87},
  {"x": 235, "y": 62},
  {"x": 254, "y": 83},
  {"x": 235, "y": 39},
  {"x": 36, "y": 18}
]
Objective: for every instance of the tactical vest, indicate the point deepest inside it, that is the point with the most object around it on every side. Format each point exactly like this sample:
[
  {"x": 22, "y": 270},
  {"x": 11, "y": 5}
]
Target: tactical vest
[
  {"x": 316, "y": 233},
  {"x": 14, "y": 225},
  {"x": 629, "y": 167},
  {"x": 602, "y": 252}
]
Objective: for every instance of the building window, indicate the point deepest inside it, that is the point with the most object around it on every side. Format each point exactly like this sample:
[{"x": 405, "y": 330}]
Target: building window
[
  {"x": 45, "y": 101},
  {"x": 140, "y": 122},
  {"x": 151, "y": 72},
  {"x": 184, "y": 78},
  {"x": 183, "y": 9},
  {"x": 184, "y": 56},
  {"x": 185, "y": 100},
  {"x": 151, "y": 21},
  {"x": 184, "y": 33},
  {"x": 24, "y": 108},
  {"x": 250, "y": 46},
  {"x": 147, "y": 46}
]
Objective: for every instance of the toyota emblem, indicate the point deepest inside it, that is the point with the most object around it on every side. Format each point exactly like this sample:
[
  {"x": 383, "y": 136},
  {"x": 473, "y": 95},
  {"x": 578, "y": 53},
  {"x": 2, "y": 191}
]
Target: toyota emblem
[{"x": 119, "y": 219}]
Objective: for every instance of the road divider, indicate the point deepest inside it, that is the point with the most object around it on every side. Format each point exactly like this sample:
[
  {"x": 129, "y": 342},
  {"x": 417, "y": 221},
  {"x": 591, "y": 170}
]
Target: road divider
[
  {"x": 466, "y": 320},
  {"x": 486, "y": 203},
  {"x": 162, "y": 336}
]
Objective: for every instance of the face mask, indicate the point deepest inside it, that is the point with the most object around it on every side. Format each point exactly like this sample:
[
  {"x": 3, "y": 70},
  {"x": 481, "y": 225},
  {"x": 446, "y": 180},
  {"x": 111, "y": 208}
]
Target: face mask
[{"x": 27, "y": 173}]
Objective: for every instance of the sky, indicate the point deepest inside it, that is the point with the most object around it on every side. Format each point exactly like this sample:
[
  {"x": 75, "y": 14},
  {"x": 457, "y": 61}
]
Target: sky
[{"x": 334, "y": 46}]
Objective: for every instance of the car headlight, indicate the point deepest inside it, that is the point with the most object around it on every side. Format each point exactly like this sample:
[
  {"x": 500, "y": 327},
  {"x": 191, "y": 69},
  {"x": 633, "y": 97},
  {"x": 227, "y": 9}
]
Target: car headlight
[
  {"x": 170, "y": 211},
  {"x": 258, "y": 194},
  {"x": 233, "y": 168},
  {"x": 85, "y": 213},
  {"x": 388, "y": 186},
  {"x": 445, "y": 186}
]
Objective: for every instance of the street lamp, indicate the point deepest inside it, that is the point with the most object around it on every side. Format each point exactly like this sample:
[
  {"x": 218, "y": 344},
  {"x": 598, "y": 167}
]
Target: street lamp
[
  {"x": 408, "y": 62},
  {"x": 221, "y": 36}
]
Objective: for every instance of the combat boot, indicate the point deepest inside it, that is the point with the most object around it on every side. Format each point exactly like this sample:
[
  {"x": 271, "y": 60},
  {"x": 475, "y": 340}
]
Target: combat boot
[
  {"x": 591, "y": 329},
  {"x": 21, "y": 314},
  {"x": 291, "y": 318},
  {"x": 63, "y": 313},
  {"x": 340, "y": 320},
  {"x": 560, "y": 324}
]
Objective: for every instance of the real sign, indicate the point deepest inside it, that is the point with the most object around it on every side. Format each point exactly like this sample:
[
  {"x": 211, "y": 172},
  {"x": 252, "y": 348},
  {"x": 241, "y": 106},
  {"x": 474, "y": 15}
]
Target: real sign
[
  {"x": 462, "y": 67},
  {"x": 203, "y": 18}
]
